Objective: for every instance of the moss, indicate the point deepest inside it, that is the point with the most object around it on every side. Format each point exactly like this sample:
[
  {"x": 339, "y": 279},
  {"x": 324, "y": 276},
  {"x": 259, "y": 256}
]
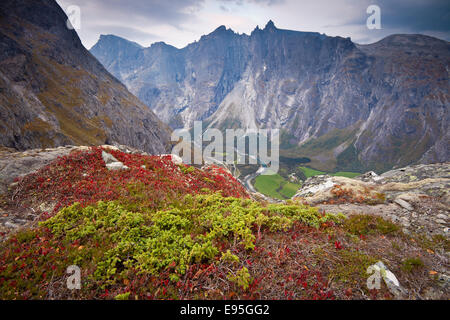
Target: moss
[
  {"x": 25, "y": 236},
  {"x": 352, "y": 266},
  {"x": 229, "y": 257},
  {"x": 395, "y": 246},
  {"x": 436, "y": 242},
  {"x": 412, "y": 264},
  {"x": 122, "y": 296},
  {"x": 369, "y": 225},
  {"x": 381, "y": 197}
]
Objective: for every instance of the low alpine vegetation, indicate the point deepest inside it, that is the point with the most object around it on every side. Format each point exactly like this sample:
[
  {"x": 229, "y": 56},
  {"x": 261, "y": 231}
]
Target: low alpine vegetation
[
  {"x": 159, "y": 230},
  {"x": 152, "y": 182},
  {"x": 115, "y": 245}
]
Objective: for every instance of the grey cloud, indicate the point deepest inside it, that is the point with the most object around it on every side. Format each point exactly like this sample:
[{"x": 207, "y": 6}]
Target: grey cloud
[
  {"x": 173, "y": 12},
  {"x": 183, "y": 21},
  {"x": 132, "y": 18},
  {"x": 431, "y": 15},
  {"x": 262, "y": 2},
  {"x": 412, "y": 15}
]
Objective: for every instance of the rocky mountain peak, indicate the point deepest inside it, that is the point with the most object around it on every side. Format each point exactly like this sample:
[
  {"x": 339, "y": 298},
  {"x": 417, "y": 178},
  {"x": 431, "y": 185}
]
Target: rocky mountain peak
[
  {"x": 161, "y": 45},
  {"x": 219, "y": 29},
  {"x": 219, "y": 33},
  {"x": 270, "y": 26},
  {"x": 113, "y": 39}
]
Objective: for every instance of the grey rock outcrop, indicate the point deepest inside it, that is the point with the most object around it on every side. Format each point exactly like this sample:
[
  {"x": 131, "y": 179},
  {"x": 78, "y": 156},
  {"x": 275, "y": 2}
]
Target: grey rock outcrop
[
  {"x": 112, "y": 163},
  {"x": 416, "y": 197},
  {"x": 369, "y": 177},
  {"x": 108, "y": 158},
  {"x": 404, "y": 204},
  {"x": 404, "y": 184},
  {"x": 116, "y": 166},
  {"x": 16, "y": 164}
]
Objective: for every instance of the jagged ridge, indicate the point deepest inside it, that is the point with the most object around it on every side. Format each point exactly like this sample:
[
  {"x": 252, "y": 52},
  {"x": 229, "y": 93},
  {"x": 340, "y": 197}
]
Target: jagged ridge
[{"x": 346, "y": 106}]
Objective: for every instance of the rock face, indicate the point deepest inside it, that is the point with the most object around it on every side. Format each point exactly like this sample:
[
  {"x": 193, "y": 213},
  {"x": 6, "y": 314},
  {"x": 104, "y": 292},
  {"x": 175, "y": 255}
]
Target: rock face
[
  {"x": 416, "y": 197},
  {"x": 17, "y": 164},
  {"x": 349, "y": 107},
  {"x": 54, "y": 92}
]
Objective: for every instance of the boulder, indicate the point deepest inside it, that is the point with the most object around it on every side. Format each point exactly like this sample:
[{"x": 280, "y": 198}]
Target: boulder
[
  {"x": 390, "y": 279},
  {"x": 112, "y": 163},
  {"x": 116, "y": 166},
  {"x": 108, "y": 158},
  {"x": 369, "y": 177},
  {"x": 175, "y": 158},
  {"x": 402, "y": 203}
]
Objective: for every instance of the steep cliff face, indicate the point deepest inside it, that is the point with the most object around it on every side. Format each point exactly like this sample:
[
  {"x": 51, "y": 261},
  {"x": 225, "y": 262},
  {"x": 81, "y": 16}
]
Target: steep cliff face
[
  {"x": 54, "y": 92},
  {"x": 345, "y": 106},
  {"x": 409, "y": 78},
  {"x": 181, "y": 86}
]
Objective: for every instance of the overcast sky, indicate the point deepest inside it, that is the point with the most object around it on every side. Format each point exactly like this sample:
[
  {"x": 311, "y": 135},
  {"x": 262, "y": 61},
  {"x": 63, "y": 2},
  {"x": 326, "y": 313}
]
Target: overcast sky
[{"x": 180, "y": 22}]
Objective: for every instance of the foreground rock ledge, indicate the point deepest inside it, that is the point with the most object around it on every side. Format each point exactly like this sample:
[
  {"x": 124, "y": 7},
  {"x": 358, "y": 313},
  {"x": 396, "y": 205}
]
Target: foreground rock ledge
[{"x": 417, "y": 197}]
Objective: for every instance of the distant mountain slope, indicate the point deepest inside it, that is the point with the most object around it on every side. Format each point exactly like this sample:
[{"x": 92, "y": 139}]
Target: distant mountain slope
[
  {"x": 345, "y": 106},
  {"x": 54, "y": 92}
]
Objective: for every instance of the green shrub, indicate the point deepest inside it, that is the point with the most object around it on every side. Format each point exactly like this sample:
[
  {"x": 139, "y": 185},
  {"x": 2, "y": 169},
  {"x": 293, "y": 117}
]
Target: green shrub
[
  {"x": 186, "y": 169},
  {"x": 229, "y": 257},
  {"x": 352, "y": 265},
  {"x": 242, "y": 278},
  {"x": 411, "y": 264},
  {"x": 123, "y": 296},
  {"x": 360, "y": 224},
  {"x": 186, "y": 233}
]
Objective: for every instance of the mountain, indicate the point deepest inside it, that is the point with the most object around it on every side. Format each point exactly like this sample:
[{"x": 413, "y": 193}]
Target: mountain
[
  {"x": 54, "y": 92},
  {"x": 343, "y": 105}
]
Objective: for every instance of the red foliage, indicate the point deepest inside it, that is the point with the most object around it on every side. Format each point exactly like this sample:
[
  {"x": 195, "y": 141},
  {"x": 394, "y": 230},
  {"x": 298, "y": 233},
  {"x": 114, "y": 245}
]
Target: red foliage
[
  {"x": 338, "y": 245},
  {"x": 83, "y": 177}
]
